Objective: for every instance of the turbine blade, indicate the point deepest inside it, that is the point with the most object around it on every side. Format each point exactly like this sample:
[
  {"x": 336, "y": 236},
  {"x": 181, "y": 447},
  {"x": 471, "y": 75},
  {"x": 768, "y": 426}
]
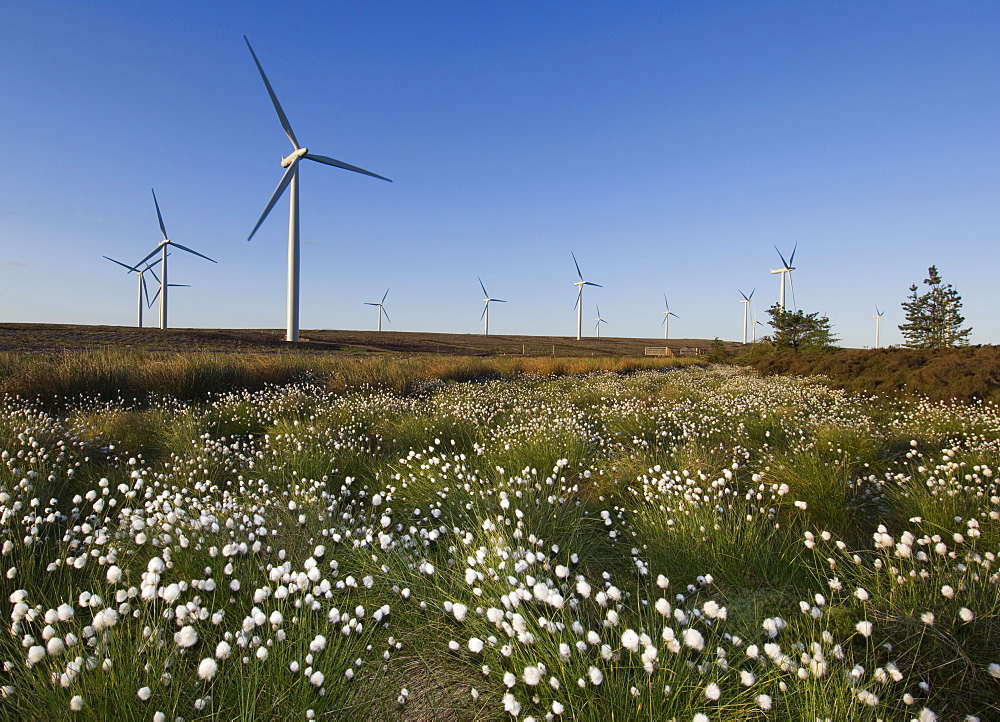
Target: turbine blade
[
  {"x": 286, "y": 178},
  {"x": 577, "y": 265},
  {"x": 159, "y": 217},
  {"x": 578, "y": 297},
  {"x": 178, "y": 285},
  {"x": 588, "y": 283},
  {"x": 384, "y": 295},
  {"x": 345, "y": 166},
  {"x": 783, "y": 261},
  {"x": 666, "y": 303},
  {"x": 274, "y": 99},
  {"x": 185, "y": 248},
  {"x": 482, "y": 286},
  {"x": 483, "y": 314},
  {"x": 150, "y": 255},
  {"x": 124, "y": 265},
  {"x": 791, "y": 285},
  {"x": 743, "y": 294},
  {"x": 674, "y": 315},
  {"x": 370, "y": 304},
  {"x": 752, "y": 293},
  {"x": 145, "y": 290},
  {"x": 152, "y": 273},
  {"x": 386, "y": 315},
  {"x": 791, "y": 258},
  {"x": 153, "y": 300},
  {"x": 498, "y": 300}
]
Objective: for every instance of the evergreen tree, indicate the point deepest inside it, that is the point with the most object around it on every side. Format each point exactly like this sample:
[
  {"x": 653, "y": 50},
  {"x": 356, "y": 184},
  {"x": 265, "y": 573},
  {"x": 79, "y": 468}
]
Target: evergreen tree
[
  {"x": 933, "y": 319},
  {"x": 801, "y": 331}
]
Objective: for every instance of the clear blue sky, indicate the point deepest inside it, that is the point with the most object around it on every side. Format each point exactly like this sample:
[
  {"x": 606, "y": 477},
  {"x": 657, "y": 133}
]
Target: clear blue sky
[{"x": 670, "y": 145}]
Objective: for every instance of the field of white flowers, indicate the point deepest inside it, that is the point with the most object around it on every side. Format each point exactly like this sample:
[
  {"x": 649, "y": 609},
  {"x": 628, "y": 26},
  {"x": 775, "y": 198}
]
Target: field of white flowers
[{"x": 684, "y": 544}]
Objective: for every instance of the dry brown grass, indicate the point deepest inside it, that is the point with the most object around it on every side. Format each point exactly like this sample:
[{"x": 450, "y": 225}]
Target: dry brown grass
[{"x": 114, "y": 373}]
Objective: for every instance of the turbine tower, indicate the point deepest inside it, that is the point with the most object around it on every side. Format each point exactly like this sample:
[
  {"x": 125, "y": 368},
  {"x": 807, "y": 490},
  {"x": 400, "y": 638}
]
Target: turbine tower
[
  {"x": 597, "y": 326},
  {"x": 291, "y": 178},
  {"x": 486, "y": 310},
  {"x": 666, "y": 318},
  {"x": 161, "y": 248},
  {"x": 143, "y": 290},
  {"x": 786, "y": 270},
  {"x": 579, "y": 297},
  {"x": 878, "y": 324},
  {"x": 381, "y": 309},
  {"x": 746, "y": 311}
]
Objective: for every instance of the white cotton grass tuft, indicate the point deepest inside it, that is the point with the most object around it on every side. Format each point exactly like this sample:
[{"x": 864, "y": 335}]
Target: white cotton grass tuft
[
  {"x": 207, "y": 668},
  {"x": 532, "y": 676},
  {"x": 693, "y": 638},
  {"x": 187, "y": 637}
]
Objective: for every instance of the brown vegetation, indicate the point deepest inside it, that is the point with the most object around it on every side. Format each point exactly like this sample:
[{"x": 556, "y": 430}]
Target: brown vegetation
[{"x": 964, "y": 374}]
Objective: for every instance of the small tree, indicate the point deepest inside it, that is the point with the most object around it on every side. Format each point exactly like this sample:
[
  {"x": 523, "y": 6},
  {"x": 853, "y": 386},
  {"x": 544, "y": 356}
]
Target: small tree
[
  {"x": 933, "y": 319},
  {"x": 801, "y": 331}
]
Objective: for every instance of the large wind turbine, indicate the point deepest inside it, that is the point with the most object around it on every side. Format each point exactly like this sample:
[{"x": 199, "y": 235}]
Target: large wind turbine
[
  {"x": 486, "y": 310},
  {"x": 291, "y": 178},
  {"x": 143, "y": 290},
  {"x": 878, "y": 324},
  {"x": 579, "y": 297},
  {"x": 667, "y": 313},
  {"x": 786, "y": 270},
  {"x": 381, "y": 309},
  {"x": 746, "y": 311},
  {"x": 597, "y": 326},
  {"x": 161, "y": 248}
]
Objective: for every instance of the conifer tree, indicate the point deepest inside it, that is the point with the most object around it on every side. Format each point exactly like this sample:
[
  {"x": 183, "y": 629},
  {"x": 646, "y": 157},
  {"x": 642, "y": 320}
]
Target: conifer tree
[
  {"x": 933, "y": 318},
  {"x": 801, "y": 331}
]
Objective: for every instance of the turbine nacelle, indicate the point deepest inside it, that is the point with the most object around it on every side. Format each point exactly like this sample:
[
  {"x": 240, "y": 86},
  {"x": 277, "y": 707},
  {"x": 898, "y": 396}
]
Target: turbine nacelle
[{"x": 294, "y": 156}]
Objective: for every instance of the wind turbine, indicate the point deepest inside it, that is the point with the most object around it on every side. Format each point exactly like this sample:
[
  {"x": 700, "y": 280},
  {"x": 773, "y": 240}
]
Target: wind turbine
[
  {"x": 160, "y": 287},
  {"x": 291, "y": 178},
  {"x": 381, "y": 309},
  {"x": 161, "y": 248},
  {"x": 746, "y": 311},
  {"x": 486, "y": 310},
  {"x": 143, "y": 290},
  {"x": 756, "y": 323},
  {"x": 878, "y": 324},
  {"x": 786, "y": 269},
  {"x": 666, "y": 318},
  {"x": 579, "y": 297},
  {"x": 597, "y": 326}
]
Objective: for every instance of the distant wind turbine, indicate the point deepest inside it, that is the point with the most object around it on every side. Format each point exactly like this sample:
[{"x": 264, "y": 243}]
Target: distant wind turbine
[
  {"x": 878, "y": 324},
  {"x": 381, "y": 309},
  {"x": 756, "y": 323},
  {"x": 143, "y": 290},
  {"x": 597, "y": 326},
  {"x": 291, "y": 178},
  {"x": 746, "y": 311},
  {"x": 486, "y": 310},
  {"x": 161, "y": 248},
  {"x": 579, "y": 297},
  {"x": 667, "y": 313},
  {"x": 786, "y": 270}
]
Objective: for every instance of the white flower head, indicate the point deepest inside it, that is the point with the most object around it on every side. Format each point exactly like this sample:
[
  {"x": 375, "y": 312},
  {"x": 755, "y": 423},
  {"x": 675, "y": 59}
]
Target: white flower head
[{"x": 207, "y": 668}]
